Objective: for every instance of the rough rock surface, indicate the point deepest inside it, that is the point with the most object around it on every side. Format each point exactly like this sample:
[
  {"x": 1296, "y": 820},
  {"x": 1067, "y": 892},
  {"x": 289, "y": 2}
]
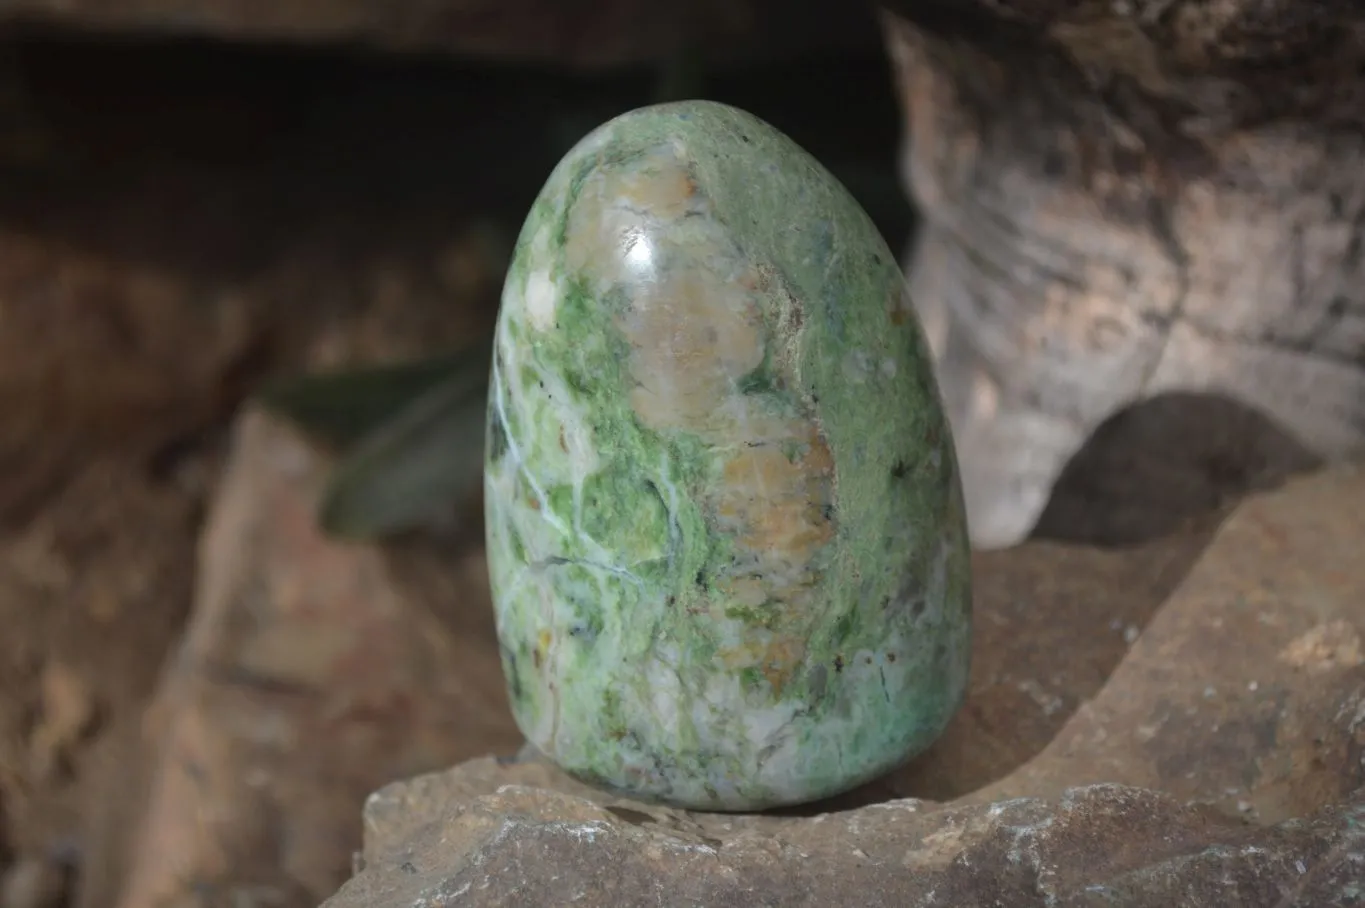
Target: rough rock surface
[
  {"x": 311, "y": 672},
  {"x": 725, "y": 528},
  {"x": 1122, "y": 200},
  {"x": 488, "y": 834},
  {"x": 1221, "y": 764},
  {"x": 1248, "y": 687},
  {"x": 586, "y": 33}
]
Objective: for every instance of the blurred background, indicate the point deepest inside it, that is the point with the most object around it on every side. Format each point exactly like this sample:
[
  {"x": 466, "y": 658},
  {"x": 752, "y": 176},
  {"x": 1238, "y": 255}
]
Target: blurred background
[{"x": 199, "y": 197}]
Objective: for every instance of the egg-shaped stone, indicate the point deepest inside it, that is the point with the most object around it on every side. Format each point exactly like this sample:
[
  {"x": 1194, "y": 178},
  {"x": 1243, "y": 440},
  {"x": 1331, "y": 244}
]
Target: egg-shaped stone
[{"x": 725, "y": 531}]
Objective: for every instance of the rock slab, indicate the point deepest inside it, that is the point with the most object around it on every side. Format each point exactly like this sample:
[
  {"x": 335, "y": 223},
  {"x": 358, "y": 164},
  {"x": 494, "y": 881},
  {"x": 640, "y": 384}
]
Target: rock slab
[
  {"x": 487, "y": 834},
  {"x": 1248, "y": 792}
]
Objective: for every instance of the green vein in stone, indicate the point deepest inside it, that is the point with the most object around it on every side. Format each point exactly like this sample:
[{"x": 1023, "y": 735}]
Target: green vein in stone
[
  {"x": 497, "y": 437},
  {"x": 594, "y": 353},
  {"x": 761, "y": 380}
]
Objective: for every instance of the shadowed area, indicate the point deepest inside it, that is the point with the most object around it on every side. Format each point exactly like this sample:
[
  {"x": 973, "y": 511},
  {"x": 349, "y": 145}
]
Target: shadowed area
[{"x": 1156, "y": 464}]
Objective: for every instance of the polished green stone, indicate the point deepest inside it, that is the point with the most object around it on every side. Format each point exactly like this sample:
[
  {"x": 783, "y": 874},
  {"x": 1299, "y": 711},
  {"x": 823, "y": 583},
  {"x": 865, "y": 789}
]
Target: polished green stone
[{"x": 725, "y": 529}]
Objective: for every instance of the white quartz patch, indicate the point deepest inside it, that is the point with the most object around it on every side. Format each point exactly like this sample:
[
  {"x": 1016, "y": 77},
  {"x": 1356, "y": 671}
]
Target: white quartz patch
[{"x": 542, "y": 298}]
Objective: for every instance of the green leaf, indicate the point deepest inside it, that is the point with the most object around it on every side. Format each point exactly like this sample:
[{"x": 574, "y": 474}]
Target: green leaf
[
  {"x": 340, "y": 408},
  {"x": 415, "y": 468}
]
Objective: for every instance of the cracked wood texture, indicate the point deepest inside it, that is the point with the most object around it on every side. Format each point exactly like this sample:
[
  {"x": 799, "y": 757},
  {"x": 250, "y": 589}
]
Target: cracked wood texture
[{"x": 1125, "y": 200}]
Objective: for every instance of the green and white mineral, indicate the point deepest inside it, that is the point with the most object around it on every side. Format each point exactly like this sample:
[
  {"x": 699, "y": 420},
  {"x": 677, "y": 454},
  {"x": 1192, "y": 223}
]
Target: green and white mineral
[{"x": 726, "y": 535}]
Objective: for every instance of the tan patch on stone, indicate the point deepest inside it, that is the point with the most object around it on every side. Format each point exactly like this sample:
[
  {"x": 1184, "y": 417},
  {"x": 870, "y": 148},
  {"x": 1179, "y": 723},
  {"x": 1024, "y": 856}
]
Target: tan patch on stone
[
  {"x": 1329, "y": 646},
  {"x": 780, "y": 660},
  {"x": 666, "y": 189},
  {"x": 691, "y": 342},
  {"x": 776, "y": 658},
  {"x": 770, "y": 497}
]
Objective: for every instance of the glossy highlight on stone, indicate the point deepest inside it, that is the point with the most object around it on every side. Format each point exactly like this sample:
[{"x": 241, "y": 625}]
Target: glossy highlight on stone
[{"x": 725, "y": 529}]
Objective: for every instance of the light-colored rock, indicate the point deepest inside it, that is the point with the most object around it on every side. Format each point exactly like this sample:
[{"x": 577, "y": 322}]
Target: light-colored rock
[
  {"x": 1121, "y": 202},
  {"x": 311, "y": 672}
]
